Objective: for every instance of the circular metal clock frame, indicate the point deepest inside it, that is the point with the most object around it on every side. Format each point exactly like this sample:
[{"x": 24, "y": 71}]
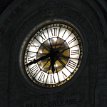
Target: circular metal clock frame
[{"x": 46, "y": 45}]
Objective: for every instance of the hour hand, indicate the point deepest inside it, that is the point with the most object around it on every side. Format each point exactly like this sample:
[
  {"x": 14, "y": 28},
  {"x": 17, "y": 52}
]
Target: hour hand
[
  {"x": 37, "y": 60},
  {"x": 52, "y": 64}
]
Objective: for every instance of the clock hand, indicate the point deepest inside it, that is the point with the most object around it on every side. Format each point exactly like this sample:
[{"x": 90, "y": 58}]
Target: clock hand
[
  {"x": 52, "y": 60},
  {"x": 52, "y": 63},
  {"x": 37, "y": 60},
  {"x": 50, "y": 44}
]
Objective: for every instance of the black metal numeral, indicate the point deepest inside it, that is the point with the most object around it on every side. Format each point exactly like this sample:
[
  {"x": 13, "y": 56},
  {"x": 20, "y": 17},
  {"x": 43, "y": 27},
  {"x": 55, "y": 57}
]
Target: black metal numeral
[{"x": 71, "y": 64}]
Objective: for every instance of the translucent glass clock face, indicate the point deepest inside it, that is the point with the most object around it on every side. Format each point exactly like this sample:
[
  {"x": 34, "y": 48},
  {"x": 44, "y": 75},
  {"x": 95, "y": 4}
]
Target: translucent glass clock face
[{"x": 53, "y": 55}]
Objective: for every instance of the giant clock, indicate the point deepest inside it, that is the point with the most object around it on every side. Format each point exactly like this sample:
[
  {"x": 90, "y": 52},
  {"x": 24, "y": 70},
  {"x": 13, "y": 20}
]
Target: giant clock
[{"x": 52, "y": 55}]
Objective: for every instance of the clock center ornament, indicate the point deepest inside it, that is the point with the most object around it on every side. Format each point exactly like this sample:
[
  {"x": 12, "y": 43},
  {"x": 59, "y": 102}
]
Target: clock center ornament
[
  {"x": 53, "y": 54},
  {"x": 57, "y": 51}
]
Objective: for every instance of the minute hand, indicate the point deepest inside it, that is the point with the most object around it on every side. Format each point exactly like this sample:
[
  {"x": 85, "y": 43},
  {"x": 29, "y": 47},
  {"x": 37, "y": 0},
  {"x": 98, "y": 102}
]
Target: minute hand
[
  {"x": 52, "y": 64},
  {"x": 37, "y": 60}
]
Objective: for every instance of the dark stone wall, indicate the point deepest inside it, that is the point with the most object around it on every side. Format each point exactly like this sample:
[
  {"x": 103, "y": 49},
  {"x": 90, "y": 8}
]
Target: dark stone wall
[{"x": 4, "y": 4}]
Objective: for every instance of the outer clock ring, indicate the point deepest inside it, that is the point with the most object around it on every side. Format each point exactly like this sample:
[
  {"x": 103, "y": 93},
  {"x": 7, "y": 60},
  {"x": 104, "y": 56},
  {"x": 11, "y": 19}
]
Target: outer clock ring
[{"x": 30, "y": 35}]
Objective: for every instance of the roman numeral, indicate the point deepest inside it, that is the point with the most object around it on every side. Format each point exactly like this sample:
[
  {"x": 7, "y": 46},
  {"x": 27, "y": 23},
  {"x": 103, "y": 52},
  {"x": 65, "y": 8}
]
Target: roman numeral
[
  {"x": 41, "y": 77},
  {"x": 52, "y": 32},
  {"x": 35, "y": 68},
  {"x": 43, "y": 35},
  {"x": 51, "y": 79},
  {"x": 74, "y": 52},
  {"x": 30, "y": 58},
  {"x": 55, "y": 31},
  {"x": 64, "y": 75},
  {"x": 59, "y": 31},
  {"x": 72, "y": 40},
  {"x": 33, "y": 48},
  {"x": 34, "y": 71},
  {"x": 33, "y": 45},
  {"x": 64, "y": 33},
  {"x": 40, "y": 38},
  {"x": 71, "y": 64}
]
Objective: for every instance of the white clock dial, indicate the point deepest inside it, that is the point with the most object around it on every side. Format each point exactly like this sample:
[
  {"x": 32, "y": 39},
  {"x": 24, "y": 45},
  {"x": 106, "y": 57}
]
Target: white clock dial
[{"x": 53, "y": 55}]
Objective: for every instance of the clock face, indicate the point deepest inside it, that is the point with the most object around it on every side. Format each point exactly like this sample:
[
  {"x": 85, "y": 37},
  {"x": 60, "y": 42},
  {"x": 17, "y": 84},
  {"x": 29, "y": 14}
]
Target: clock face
[{"x": 53, "y": 55}]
